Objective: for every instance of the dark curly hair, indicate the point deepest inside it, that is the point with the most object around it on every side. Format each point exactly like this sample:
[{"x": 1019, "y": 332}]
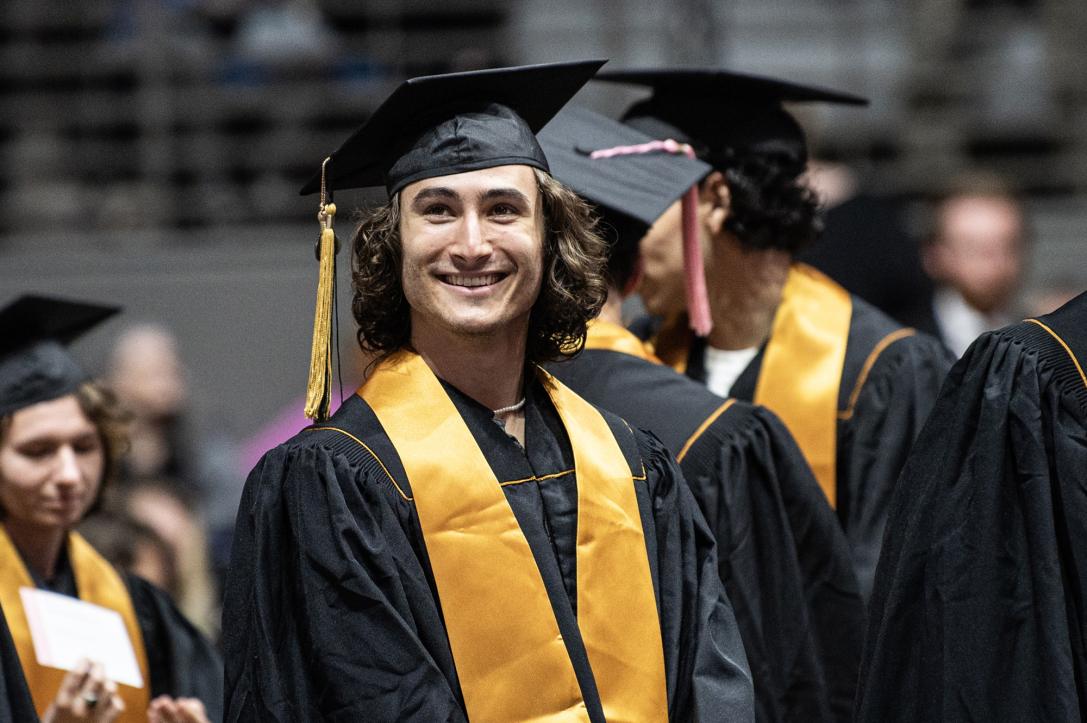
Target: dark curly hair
[
  {"x": 573, "y": 290},
  {"x": 771, "y": 207},
  {"x": 110, "y": 420}
]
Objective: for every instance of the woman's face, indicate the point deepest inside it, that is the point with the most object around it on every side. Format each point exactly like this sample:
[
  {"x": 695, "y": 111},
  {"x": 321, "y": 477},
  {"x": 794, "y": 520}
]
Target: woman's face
[{"x": 51, "y": 465}]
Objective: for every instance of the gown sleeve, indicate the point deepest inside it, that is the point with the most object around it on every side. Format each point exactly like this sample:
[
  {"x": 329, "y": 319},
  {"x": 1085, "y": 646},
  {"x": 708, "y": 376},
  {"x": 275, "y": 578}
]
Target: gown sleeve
[
  {"x": 978, "y": 607},
  {"x": 181, "y": 660},
  {"x": 16, "y": 705},
  {"x": 785, "y": 564},
  {"x": 328, "y": 614},
  {"x": 708, "y": 672},
  {"x": 875, "y": 433}
]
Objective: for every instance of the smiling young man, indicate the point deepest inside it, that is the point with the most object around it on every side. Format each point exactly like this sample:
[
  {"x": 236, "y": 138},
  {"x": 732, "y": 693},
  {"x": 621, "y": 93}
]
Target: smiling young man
[{"x": 465, "y": 538}]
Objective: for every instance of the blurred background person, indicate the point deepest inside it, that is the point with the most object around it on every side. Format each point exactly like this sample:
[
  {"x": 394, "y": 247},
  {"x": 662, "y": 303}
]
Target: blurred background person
[
  {"x": 61, "y": 438},
  {"x": 146, "y": 373},
  {"x": 976, "y": 255},
  {"x": 149, "y": 528},
  {"x": 133, "y": 547},
  {"x": 177, "y": 477}
]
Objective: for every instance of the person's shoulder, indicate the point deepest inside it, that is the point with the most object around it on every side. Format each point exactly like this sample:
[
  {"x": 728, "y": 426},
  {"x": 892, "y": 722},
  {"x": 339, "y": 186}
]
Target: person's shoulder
[
  {"x": 633, "y": 441},
  {"x": 350, "y": 443},
  {"x": 1052, "y": 347},
  {"x": 353, "y": 419},
  {"x": 871, "y": 331},
  {"x": 162, "y": 621},
  {"x": 879, "y": 345}
]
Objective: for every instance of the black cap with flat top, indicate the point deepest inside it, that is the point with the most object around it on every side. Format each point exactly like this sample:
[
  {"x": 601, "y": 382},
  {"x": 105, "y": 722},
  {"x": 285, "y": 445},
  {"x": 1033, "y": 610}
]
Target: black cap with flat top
[
  {"x": 718, "y": 111},
  {"x": 439, "y": 125},
  {"x": 35, "y": 366},
  {"x": 639, "y": 184}
]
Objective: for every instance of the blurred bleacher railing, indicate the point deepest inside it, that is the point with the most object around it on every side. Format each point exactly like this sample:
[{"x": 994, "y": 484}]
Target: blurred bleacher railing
[
  {"x": 147, "y": 121},
  {"x": 152, "y": 114}
]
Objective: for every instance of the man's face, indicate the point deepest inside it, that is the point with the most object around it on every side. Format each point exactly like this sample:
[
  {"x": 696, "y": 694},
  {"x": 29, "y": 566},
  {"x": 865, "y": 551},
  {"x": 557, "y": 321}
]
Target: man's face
[
  {"x": 978, "y": 250},
  {"x": 472, "y": 251},
  {"x": 662, "y": 287}
]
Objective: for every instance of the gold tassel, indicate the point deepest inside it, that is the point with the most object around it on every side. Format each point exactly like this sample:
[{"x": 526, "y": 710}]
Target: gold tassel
[{"x": 319, "y": 386}]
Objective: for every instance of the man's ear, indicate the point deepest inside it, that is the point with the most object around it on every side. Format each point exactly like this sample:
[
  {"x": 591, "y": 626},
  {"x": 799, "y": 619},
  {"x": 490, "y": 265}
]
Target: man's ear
[{"x": 714, "y": 193}]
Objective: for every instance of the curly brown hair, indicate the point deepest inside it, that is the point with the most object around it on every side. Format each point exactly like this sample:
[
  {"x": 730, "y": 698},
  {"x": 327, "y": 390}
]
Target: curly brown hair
[
  {"x": 111, "y": 421},
  {"x": 573, "y": 291},
  {"x": 772, "y": 207}
]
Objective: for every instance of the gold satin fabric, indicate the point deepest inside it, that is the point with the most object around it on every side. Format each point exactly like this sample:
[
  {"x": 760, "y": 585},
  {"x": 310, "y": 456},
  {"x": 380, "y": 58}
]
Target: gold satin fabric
[
  {"x": 97, "y": 582},
  {"x": 613, "y": 337},
  {"x": 510, "y": 658},
  {"x": 801, "y": 369}
]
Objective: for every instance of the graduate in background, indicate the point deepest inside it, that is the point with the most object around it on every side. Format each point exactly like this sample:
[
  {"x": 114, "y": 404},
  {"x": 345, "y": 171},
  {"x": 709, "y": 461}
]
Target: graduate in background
[
  {"x": 979, "y": 608},
  {"x": 60, "y": 438},
  {"x": 466, "y": 538},
  {"x": 781, "y": 553},
  {"x": 851, "y": 385},
  {"x": 976, "y": 254}
]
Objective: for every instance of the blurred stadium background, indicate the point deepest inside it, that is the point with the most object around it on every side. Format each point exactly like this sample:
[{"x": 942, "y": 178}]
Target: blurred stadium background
[{"x": 152, "y": 149}]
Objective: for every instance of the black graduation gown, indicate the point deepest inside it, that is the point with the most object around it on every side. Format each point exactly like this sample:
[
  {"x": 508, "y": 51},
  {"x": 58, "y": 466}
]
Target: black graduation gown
[
  {"x": 180, "y": 660},
  {"x": 331, "y": 611},
  {"x": 875, "y": 432},
  {"x": 16, "y": 705},
  {"x": 980, "y": 607},
  {"x": 781, "y": 553}
]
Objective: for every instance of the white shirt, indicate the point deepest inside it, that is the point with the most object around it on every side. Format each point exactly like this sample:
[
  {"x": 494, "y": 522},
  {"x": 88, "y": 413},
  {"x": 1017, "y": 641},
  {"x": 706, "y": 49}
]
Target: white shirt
[
  {"x": 724, "y": 366},
  {"x": 960, "y": 324}
]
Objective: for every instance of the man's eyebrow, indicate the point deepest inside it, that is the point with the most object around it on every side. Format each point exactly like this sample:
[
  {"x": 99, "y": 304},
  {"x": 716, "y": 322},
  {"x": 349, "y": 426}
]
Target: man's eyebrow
[
  {"x": 428, "y": 194},
  {"x": 511, "y": 193}
]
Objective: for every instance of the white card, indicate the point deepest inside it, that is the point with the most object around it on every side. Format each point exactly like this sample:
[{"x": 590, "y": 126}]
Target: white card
[{"x": 66, "y": 630}]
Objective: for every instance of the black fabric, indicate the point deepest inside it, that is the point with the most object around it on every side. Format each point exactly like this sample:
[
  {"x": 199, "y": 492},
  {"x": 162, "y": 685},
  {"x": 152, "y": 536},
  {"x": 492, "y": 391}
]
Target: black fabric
[
  {"x": 16, "y": 705},
  {"x": 638, "y": 185},
  {"x": 331, "y": 611},
  {"x": 35, "y": 366},
  {"x": 875, "y": 432},
  {"x": 978, "y": 611},
  {"x": 439, "y": 125},
  {"x": 715, "y": 109},
  {"x": 1067, "y": 323},
  {"x": 181, "y": 662},
  {"x": 781, "y": 554}
]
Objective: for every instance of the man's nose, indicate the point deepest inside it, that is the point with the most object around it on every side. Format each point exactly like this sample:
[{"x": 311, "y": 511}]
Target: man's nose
[{"x": 474, "y": 242}]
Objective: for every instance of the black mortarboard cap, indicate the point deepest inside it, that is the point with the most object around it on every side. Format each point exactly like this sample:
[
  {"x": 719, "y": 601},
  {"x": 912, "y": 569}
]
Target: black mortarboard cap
[
  {"x": 637, "y": 186},
  {"x": 718, "y": 111},
  {"x": 35, "y": 365},
  {"x": 438, "y": 125},
  {"x": 633, "y": 178}
]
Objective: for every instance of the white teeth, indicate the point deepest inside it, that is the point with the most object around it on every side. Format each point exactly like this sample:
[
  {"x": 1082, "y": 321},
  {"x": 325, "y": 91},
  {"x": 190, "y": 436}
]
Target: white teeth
[{"x": 471, "y": 281}]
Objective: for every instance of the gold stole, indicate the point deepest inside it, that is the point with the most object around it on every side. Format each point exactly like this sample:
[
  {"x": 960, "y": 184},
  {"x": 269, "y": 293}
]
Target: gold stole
[
  {"x": 97, "y": 582},
  {"x": 613, "y": 337},
  {"x": 510, "y": 658},
  {"x": 801, "y": 370}
]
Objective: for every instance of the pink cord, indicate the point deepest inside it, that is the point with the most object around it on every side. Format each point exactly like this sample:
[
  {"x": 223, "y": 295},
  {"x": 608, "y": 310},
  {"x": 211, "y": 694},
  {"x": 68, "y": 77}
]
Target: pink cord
[{"x": 698, "y": 304}]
